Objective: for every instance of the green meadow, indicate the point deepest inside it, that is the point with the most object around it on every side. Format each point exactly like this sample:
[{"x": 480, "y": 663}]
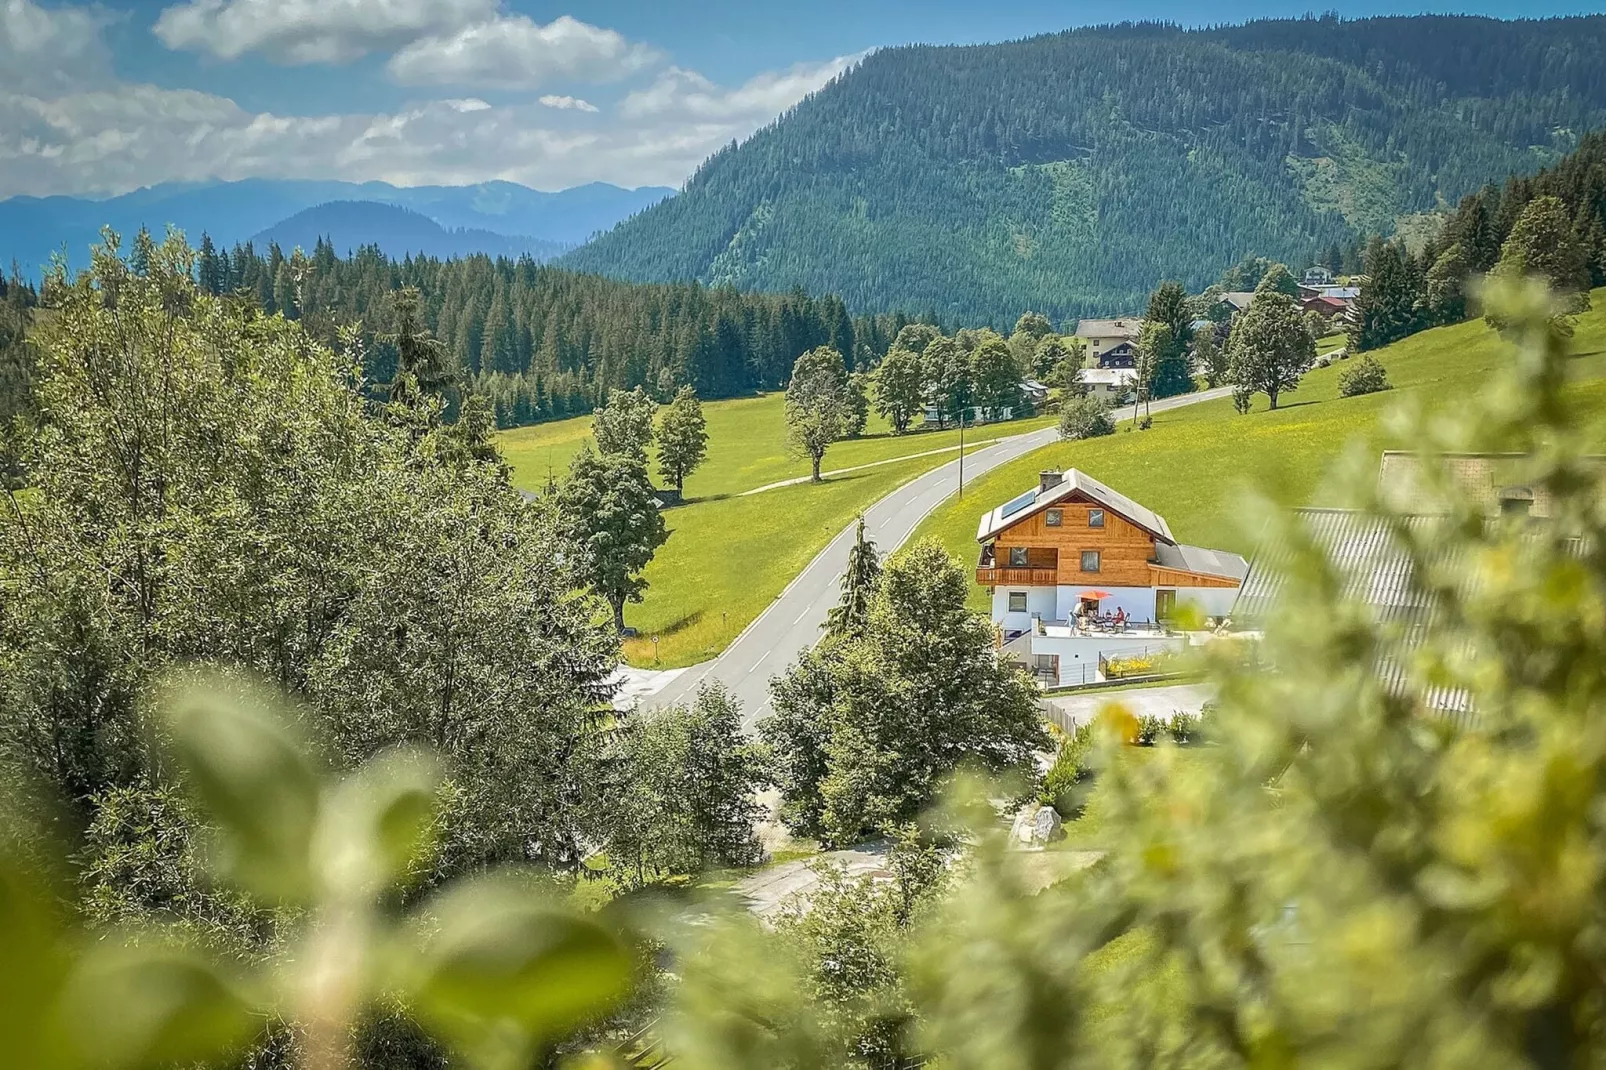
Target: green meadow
[{"x": 1197, "y": 464}]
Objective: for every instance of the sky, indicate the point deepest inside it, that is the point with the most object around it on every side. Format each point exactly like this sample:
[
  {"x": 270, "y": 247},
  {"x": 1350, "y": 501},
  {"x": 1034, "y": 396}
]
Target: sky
[{"x": 99, "y": 98}]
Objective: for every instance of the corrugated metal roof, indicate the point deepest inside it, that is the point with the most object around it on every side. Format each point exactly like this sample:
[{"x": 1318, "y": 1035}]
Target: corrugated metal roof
[{"x": 1375, "y": 570}]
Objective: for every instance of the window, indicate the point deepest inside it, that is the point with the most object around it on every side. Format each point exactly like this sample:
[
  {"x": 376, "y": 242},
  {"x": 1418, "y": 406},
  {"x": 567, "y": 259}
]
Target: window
[
  {"x": 1090, "y": 560},
  {"x": 1054, "y": 518},
  {"x": 1095, "y": 518},
  {"x": 1017, "y": 557},
  {"x": 1017, "y": 601}
]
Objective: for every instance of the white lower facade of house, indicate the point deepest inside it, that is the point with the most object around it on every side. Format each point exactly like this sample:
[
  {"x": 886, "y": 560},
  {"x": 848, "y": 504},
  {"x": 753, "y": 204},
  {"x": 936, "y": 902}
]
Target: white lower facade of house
[
  {"x": 1043, "y": 637},
  {"x": 1058, "y": 604}
]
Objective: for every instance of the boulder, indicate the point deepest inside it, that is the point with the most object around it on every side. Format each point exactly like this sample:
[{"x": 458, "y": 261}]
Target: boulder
[{"x": 1035, "y": 826}]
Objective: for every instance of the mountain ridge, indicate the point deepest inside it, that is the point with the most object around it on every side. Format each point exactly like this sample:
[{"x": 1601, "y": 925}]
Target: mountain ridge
[
  {"x": 1069, "y": 173},
  {"x": 34, "y": 228},
  {"x": 398, "y": 232}
]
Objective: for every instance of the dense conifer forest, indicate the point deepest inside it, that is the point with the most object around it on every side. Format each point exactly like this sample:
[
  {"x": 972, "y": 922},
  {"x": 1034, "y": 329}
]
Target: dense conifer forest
[
  {"x": 1068, "y": 173},
  {"x": 543, "y": 342}
]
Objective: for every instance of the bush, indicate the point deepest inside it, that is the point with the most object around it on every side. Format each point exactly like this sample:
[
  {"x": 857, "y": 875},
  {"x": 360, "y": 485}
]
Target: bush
[
  {"x": 1066, "y": 786},
  {"x": 1185, "y": 727},
  {"x": 1085, "y": 417},
  {"x": 1150, "y": 728},
  {"x": 1366, "y": 377}
]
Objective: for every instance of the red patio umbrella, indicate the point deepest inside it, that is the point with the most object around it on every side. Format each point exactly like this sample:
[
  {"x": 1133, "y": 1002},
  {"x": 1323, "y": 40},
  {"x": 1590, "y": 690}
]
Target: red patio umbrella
[{"x": 1095, "y": 595}]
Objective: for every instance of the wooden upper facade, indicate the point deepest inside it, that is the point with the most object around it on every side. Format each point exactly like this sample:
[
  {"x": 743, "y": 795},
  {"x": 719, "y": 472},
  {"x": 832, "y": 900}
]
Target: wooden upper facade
[{"x": 1076, "y": 532}]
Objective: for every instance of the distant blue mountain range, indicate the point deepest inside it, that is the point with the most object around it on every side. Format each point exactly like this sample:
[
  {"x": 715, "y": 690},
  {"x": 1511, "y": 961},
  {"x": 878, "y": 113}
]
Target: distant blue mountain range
[
  {"x": 349, "y": 225},
  {"x": 33, "y": 228}
]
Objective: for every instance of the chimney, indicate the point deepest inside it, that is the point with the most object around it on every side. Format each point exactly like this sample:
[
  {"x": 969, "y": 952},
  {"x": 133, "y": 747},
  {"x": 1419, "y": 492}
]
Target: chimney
[{"x": 1048, "y": 479}]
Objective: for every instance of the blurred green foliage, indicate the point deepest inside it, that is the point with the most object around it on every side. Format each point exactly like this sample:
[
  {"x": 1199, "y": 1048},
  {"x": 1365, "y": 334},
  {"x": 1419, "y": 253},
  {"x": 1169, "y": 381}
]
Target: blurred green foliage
[{"x": 493, "y": 965}]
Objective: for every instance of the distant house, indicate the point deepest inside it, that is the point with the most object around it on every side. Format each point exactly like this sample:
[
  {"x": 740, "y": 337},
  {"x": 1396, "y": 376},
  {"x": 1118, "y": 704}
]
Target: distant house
[
  {"x": 1063, "y": 558},
  {"x": 1238, "y": 300},
  {"x": 1327, "y": 306},
  {"x": 1336, "y": 293},
  {"x": 1033, "y": 395},
  {"x": 1102, "y": 336},
  {"x": 1317, "y": 276},
  {"x": 1124, "y": 355},
  {"x": 1114, "y": 385}
]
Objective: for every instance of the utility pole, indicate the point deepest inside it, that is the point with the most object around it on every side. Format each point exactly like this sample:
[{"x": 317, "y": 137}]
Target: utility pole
[{"x": 961, "y": 452}]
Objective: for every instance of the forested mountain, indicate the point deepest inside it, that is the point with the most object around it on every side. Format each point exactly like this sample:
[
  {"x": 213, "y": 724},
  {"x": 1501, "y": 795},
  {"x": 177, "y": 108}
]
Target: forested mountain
[
  {"x": 33, "y": 228},
  {"x": 350, "y": 225},
  {"x": 545, "y": 342},
  {"x": 1070, "y": 173}
]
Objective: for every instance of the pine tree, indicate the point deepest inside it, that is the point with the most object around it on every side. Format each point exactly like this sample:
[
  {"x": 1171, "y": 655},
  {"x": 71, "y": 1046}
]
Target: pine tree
[
  {"x": 858, "y": 586},
  {"x": 1387, "y": 309},
  {"x": 1169, "y": 307},
  {"x": 423, "y": 365}
]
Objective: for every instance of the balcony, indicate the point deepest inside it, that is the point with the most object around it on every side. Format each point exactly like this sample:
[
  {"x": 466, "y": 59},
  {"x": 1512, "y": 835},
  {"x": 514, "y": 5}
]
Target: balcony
[{"x": 989, "y": 573}]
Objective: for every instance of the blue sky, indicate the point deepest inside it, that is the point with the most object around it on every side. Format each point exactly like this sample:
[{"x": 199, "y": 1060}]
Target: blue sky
[{"x": 102, "y": 97}]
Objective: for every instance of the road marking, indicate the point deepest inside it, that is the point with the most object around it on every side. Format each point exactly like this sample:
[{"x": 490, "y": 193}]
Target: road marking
[
  {"x": 803, "y": 614},
  {"x": 757, "y": 663}
]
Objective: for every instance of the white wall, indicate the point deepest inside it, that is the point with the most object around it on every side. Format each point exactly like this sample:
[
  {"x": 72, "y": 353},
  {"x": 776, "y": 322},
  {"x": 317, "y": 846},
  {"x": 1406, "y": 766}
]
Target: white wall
[
  {"x": 1139, "y": 601},
  {"x": 1039, "y": 600},
  {"x": 1075, "y": 653}
]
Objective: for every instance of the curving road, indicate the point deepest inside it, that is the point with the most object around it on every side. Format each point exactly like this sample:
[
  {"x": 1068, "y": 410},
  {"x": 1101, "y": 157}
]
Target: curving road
[{"x": 792, "y": 622}]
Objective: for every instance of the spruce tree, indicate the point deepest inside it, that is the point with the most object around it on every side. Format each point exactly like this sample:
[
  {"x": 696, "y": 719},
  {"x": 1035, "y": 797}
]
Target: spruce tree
[
  {"x": 858, "y": 585},
  {"x": 1387, "y": 309}
]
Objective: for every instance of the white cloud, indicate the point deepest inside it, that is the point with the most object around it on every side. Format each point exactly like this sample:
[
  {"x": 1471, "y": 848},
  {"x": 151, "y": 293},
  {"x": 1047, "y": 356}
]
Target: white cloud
[
  {"x": 312, "y": 31},
  {"x": 552, "y": 100},
  {"x": 51, "y": 49},
  {"x": 515, "y": 52},
  {"x": 126, "y": 135}
]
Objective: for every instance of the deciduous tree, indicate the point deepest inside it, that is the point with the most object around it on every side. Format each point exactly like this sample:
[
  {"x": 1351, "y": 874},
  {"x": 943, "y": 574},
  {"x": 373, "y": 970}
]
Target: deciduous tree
[
  {"x": 881, "y": 718},
  {"x": 681, "y": 791},
  {"x": 623, "y": 427},
  {"x": 1270, "y": 350},
  {"x": 682, "y": 437},
  {"x": 899, "y": 387},
  {"x": 1543, "y": 244},
  {"x": 995, "y": 378},
  {"x": 818, "y": 410},
  {"x": 612, "y": 519}
]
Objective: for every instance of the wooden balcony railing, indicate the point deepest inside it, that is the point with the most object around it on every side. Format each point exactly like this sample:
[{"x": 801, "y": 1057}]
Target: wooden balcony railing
[{"x": 994, "y": 576}]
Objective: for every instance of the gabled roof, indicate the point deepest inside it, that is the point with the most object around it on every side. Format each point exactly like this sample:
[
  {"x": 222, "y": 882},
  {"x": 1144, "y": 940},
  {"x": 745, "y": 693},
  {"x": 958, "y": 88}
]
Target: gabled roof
[
  {"x": 1117, "y": 328},
  {"x": 1075, "y": 483},
  {"x": 1239, "y": 299}
]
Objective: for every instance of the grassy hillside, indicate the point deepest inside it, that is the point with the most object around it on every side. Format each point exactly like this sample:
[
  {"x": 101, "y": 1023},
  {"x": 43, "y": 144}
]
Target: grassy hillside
[
  {"x": 1070, "y": 173},
  {"x": 746, "y": 447},
  {"x": 1197, "y": 463},
  {"x": 731, "y": 553}
]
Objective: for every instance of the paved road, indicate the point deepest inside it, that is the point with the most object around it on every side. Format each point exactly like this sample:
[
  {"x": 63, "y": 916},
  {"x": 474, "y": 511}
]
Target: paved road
[{"x": 792, "y": 622}]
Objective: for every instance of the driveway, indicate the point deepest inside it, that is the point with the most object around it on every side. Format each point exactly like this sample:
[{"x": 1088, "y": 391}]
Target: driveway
[{"x": 1159, "y": 702}]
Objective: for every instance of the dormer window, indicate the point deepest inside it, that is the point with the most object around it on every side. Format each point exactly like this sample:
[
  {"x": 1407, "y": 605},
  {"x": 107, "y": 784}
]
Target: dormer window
[
  {"x": 1516, "y": 501},
  {"x": 1095, "y": 518}
]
